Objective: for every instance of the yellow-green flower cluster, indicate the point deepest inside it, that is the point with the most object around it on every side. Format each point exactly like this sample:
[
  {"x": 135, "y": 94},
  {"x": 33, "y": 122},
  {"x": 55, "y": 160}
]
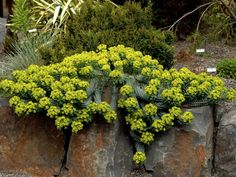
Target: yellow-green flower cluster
[
  {"x": 126, "y": 90},
  {"x": 14, "y": 101},
  {"x": 62, "y": 121},
  {"x": 173, "y": 95},
  {"x": 231, "y": 95},
  {"x": 83, "y": 115},
  {"x": 53, "y": 111},
  {"x": 76, "y": 126},
  {"x": 191, "y": 91},
  {"x": 38, "y": 93},
  {"x": 104, "y": 109},
  {"x": 150, "y": 109},
  {"x": 68, "y": 109},
  {"x": 175, "y": 111},
  {"x": 146, "y": 71},
  {"x": 87, "y": 70},
  {"x": 138, "y": 125},
  {"x": 44, "y": 102},
  {"x": 152, "y": 87},
  {"x": 166, "y": 76},
  {"x": 216, "y": 93},
  {"x": 187, "y": 117},
  {"x": 23, "y": 108},
  {"x": 165, "y": 121},
  {"x": 115, "y": 74},
  {"x": 131, "y": 103},
  {"x": 139, "y": 157},
  {"x": 147, "y": 138}
]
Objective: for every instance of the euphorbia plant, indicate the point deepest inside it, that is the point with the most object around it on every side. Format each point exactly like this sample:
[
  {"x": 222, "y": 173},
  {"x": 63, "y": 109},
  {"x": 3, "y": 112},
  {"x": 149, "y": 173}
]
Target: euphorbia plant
[{"x": 151, "y": 98}]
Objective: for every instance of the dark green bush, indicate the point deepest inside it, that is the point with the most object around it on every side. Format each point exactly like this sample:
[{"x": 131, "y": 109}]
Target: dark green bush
[
  {"x": 227, "y": 68},
  {"x": 103, "y": 23}
]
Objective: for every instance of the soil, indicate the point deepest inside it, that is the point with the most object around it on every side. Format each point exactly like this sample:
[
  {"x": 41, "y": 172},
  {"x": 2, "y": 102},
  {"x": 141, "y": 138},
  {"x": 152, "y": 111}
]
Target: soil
[{"x": 199, "y": 63}]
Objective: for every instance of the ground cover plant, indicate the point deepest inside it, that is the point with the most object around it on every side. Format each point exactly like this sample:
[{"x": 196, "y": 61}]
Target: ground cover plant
[
  {"x": 149, "y": 96},
  {"x": 227, "y": 68}
]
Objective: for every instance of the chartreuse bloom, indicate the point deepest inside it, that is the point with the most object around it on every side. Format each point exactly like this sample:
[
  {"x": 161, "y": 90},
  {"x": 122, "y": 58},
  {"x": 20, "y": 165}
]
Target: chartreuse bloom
[
  {"x": 14, "y": 101},
  {"x": 147, "y": 138},
  {"x": 173, "y": 95},
  {"x": 131, "y": 103},
  {"x": 44, "y": 102},
  {"x": 126, "y": 90},
  {"x": 138, "y": 124},
  {"x": 76, "y": 126},
  {"x": 115, "y": 74},
  {"x": 53, "y": 111},
  {"x": 71, "y": 92},
  {"x": 150, "y": 109},
  {"x": 231, "y": 95},
  {"x": 139, "y": 157},
  {"x": 175, "y": 111},
  {"x": 62, "y": 121},
  {"x": 151, "y": 90},
  {"x": 187, "y": 117}
]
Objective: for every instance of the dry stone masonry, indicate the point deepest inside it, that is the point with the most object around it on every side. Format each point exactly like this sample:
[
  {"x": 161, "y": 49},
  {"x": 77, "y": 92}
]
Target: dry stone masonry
[{"x": 32, "y": 146}]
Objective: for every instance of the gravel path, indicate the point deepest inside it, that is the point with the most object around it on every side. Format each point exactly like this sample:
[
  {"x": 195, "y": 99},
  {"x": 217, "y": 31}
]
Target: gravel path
[{"x": 214, "y": 53}]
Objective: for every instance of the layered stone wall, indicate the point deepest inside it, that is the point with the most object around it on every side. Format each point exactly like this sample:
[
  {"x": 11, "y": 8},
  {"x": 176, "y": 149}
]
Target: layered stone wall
[{"x": 32, "y": 146}]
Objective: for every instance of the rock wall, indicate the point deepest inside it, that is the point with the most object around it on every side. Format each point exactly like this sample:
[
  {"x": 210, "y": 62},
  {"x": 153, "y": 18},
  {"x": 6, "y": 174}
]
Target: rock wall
[
  {"x": 32, "y": 146},
  {"x": 184, "y": 151}
]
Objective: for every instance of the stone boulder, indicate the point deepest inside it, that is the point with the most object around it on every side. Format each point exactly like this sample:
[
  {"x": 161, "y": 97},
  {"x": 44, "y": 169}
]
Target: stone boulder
[
  {"x": 225, "y": 152},
  {"x": 184, "y": 151},
  {"x": 30, "y": 146},
  {"x": 100, "y": 150}
]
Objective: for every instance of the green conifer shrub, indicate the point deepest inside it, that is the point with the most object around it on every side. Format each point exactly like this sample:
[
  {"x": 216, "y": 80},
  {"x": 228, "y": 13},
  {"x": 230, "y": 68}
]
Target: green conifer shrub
[{"x": 105, "y": 23}]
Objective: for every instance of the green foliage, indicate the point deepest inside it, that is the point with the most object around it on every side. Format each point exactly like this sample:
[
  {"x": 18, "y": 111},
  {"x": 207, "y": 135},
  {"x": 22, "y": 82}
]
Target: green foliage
[
  {"x": 151, "y": 98},
  {"x": 52, "y": 15},
  {"x": 227, "y": 68},
  {"x": 129, "y": 25},
  {"x": 25, "y": 53},
  {"x": 218, "y": 24},
  {"x": 20, "y": 19}
]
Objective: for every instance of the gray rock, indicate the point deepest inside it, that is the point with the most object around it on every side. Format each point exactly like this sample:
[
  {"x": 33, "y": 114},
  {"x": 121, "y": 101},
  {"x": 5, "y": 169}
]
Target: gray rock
[
  {"x": 225, "y": 152},
  {"x": 29, "y": 146},
  {"x": 184, "y": 151},
  {"x": 3, "y": 22},
  {"x": 101, "y": 150}
]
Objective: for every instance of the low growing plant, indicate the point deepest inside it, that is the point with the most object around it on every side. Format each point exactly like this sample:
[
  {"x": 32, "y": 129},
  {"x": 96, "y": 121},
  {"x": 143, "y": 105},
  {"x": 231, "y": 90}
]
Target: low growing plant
[
  {"x": 227, "y": 68},
  {"x": 151, "y": 97}
]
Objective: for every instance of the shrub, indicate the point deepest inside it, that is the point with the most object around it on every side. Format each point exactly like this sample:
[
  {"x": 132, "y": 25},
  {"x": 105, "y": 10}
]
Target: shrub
[
  {"x": 151, "y": 97},
  {"x": 129, "y": 25},
  {"x": 227, "y": 68}
]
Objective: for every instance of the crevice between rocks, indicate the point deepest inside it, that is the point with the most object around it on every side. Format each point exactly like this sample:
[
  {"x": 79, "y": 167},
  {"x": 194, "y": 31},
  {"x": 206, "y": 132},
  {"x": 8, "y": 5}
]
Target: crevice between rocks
[
  {"x": 215, "y": 131},
  {"x": 63, "y": 170}
]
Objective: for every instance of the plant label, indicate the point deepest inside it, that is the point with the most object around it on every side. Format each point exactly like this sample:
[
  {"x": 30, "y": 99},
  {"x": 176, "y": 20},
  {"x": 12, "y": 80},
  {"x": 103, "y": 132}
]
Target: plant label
[
  {"x": 200, "y": 50},
  {"x": 32, "y": 30},
  {"x": 211, "y": 70}
]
